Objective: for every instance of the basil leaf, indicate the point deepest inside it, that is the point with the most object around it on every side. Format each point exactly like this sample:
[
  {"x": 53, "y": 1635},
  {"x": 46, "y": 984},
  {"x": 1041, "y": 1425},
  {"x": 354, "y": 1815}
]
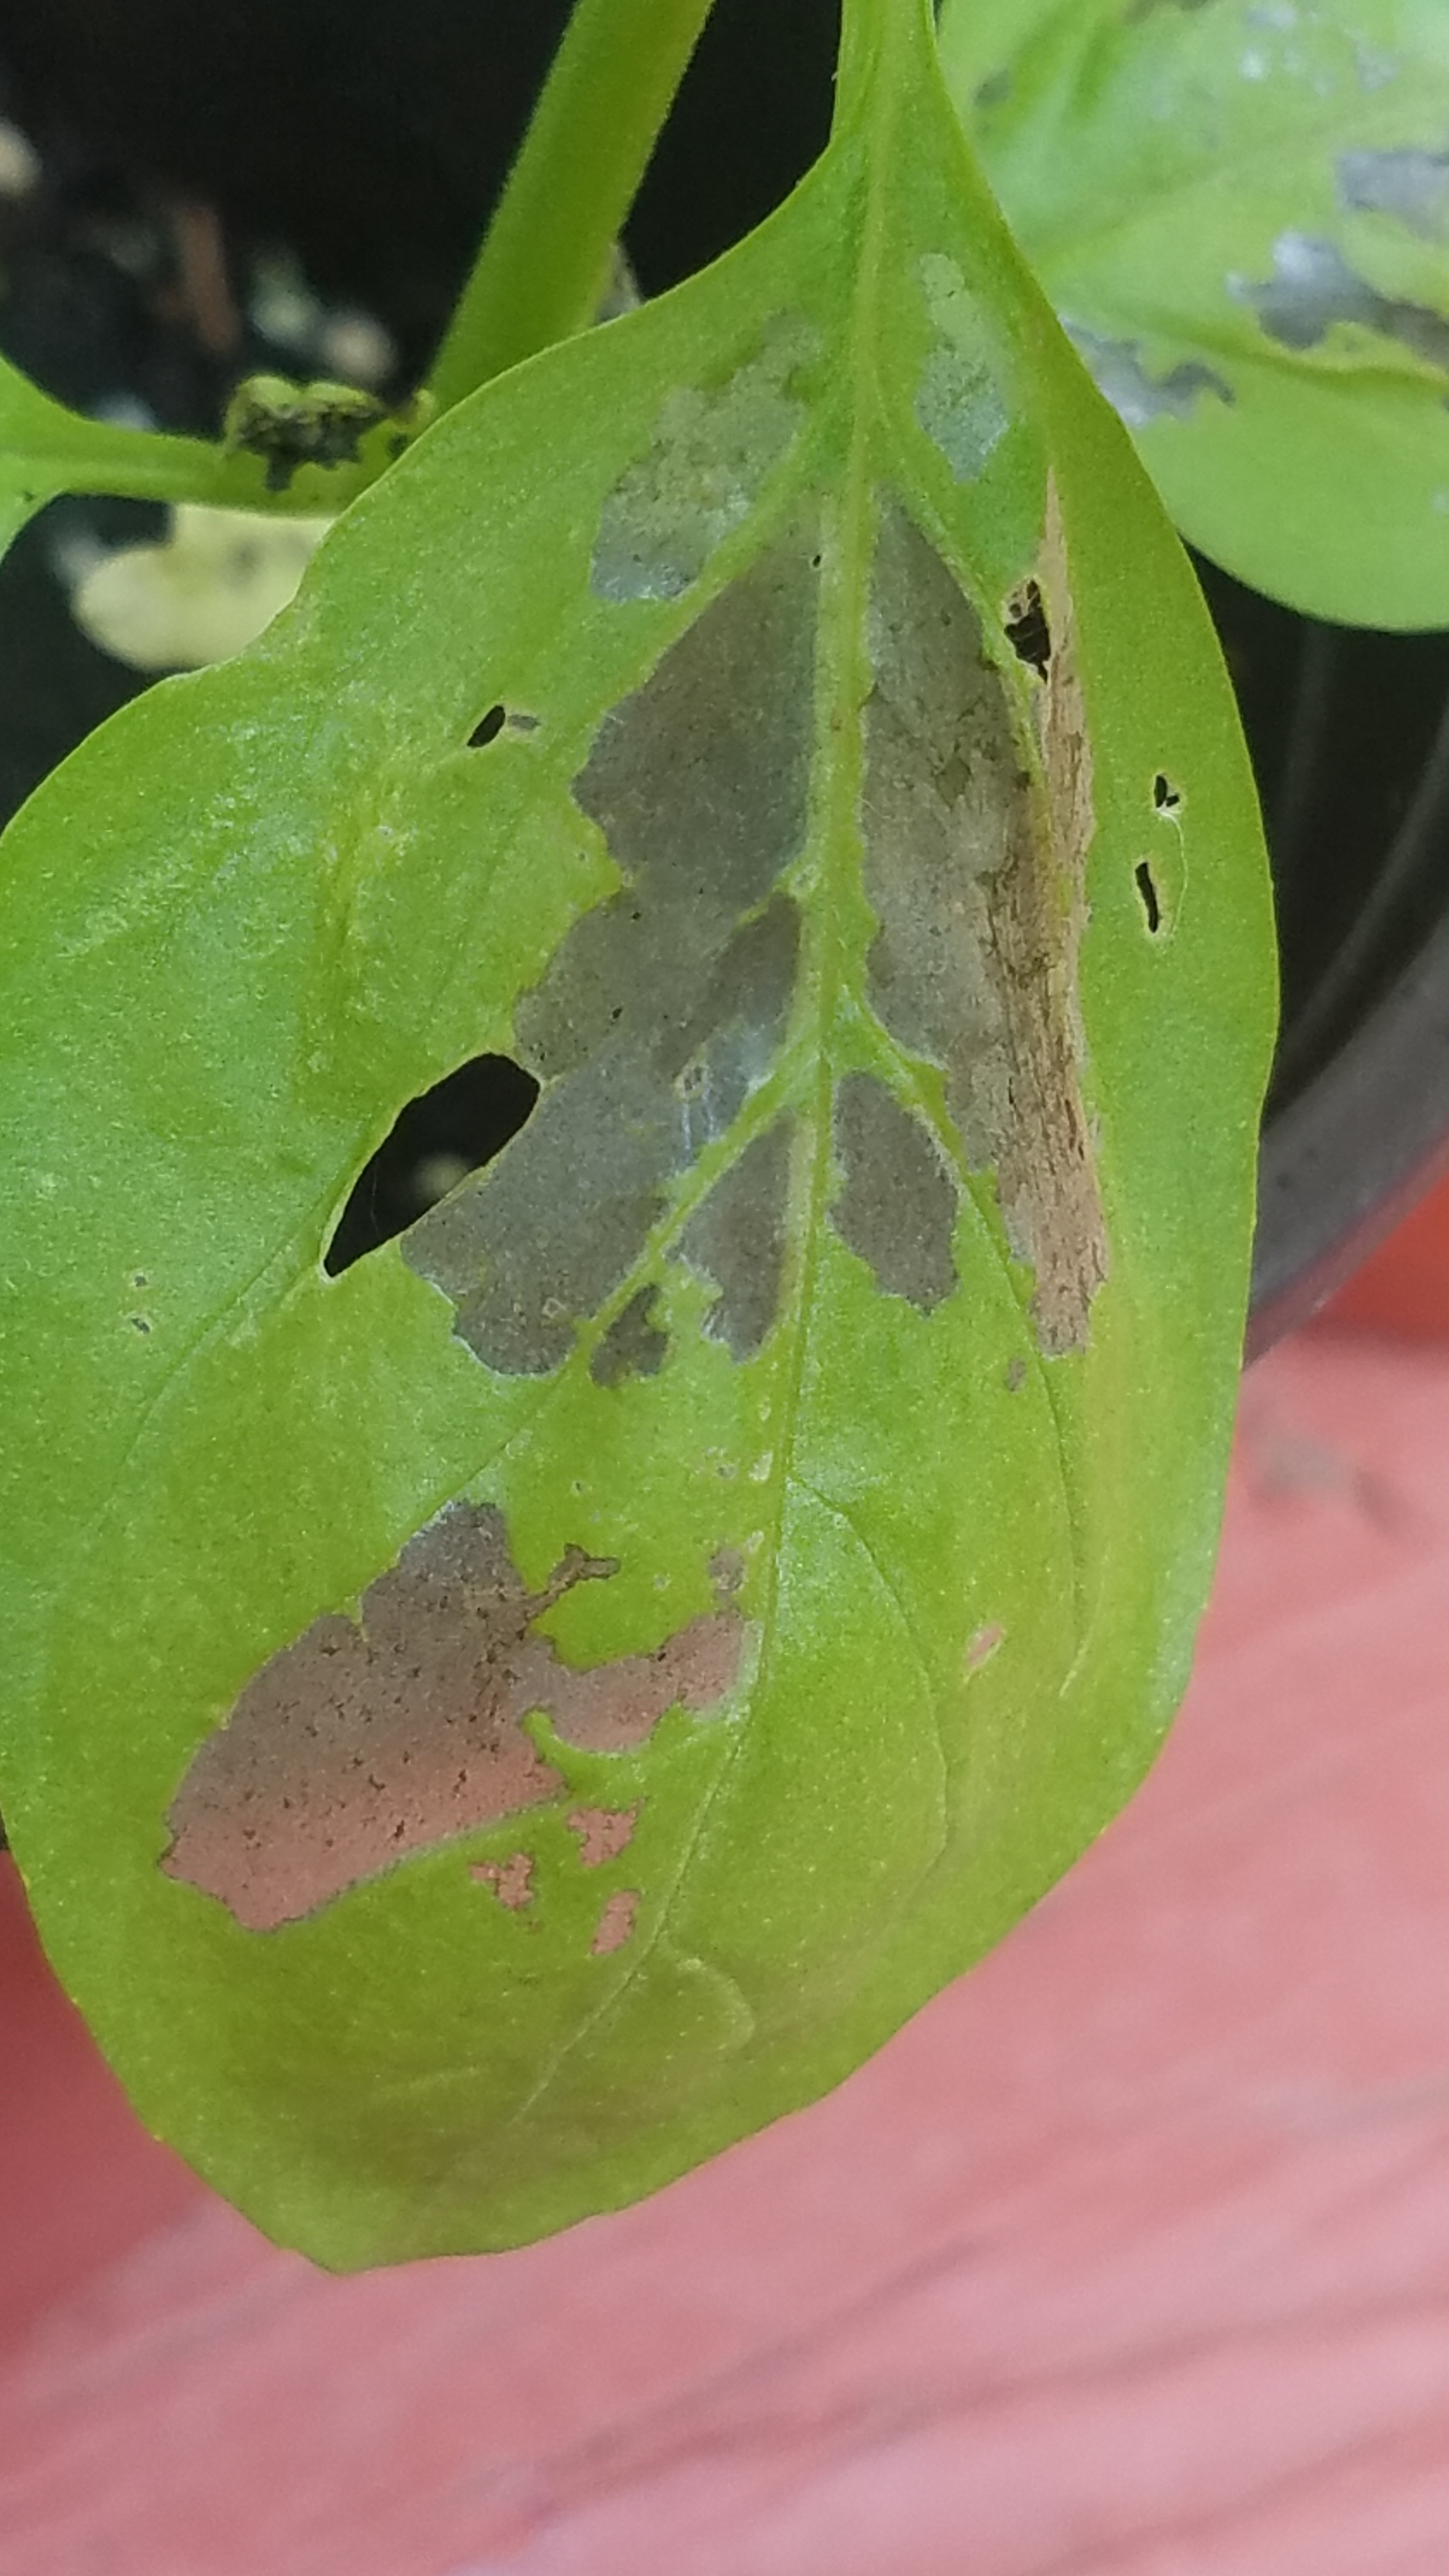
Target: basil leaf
[
  {"x": 1240, "y": 209},
  {"x": 488, "y": 1724}
]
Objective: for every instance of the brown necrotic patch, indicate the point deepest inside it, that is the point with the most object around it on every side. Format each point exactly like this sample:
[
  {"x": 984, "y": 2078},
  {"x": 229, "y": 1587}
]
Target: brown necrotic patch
[
  {"x": 511, "y": 1880},
  {"x": 603, "y": 1833},
  {"x": 897, "y": 1204},
  {"x": 975, "y": 860},
  {"x": 616, "y": 1923},
  {"x": 376, "y": 1737},
  {"x": 663, "y": 1009}
]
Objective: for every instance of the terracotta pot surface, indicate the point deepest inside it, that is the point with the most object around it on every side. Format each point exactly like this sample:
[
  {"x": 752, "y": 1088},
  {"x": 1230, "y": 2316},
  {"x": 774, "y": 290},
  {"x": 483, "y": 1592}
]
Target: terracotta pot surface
[{"x": 1130, "y": 2257}]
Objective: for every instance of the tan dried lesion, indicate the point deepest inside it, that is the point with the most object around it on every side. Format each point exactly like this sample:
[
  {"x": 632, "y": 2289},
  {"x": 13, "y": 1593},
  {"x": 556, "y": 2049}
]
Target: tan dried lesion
[
  {"x": 976, "y": 846},
  {"x": 375, "y": 1737}
]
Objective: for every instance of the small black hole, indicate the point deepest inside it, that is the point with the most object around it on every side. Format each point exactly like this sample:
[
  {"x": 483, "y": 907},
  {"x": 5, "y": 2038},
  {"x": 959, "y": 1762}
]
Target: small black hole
[
  {"x": 1164, "y": 795},
  {"x": 488, "y": 728},
  {"x": 1027, "y": 631},
  {"x": 437, "y": 1140},
  {"x": 1148, "y": 892}
]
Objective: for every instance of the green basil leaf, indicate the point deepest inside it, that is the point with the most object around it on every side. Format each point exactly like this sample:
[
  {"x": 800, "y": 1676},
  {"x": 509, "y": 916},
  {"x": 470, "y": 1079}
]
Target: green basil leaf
[
  {"x": 485, "y": 1728},
  {"x": 1240, "y": 209}
]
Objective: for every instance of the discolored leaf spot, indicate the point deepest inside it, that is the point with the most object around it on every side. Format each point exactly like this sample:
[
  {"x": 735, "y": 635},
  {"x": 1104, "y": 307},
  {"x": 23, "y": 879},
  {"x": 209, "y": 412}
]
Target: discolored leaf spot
[
  {"x": 634, "y": 1345},
  {"x": 1312, "y": 288},
  {"x": 897, "y": 1208},
  {"x": 663, "y": 1008},
  {"x": 960, "y": 403},
  {"x": 372, "y": 1738},
  {"x": 737, "y": 1238},
  {"x": 1410, "y": 186},
  {"x": 1116, "y": 369},
  {"x": 976, "y": 880},
  {"x": 603, "y": 1833},
  {"x": 511, "y": 1880},
  {"x": 703, "y": 474},
  {"x": 616, "y": 1923},
  {"x": 982, "y": 1645},
  {"x": 1015, "y": 1375}
]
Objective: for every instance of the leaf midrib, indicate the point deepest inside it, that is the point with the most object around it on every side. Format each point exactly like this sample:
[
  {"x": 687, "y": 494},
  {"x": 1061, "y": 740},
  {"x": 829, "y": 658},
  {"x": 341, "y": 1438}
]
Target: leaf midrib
[{"x": 837, "y": 834}]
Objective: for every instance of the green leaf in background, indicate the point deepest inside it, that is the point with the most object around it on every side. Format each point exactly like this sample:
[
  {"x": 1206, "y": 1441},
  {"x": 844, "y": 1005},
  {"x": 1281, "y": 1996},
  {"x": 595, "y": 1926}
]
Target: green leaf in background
[
  {"x": 485, "y": 1729},
  {"x": 1240, "y": 209}
]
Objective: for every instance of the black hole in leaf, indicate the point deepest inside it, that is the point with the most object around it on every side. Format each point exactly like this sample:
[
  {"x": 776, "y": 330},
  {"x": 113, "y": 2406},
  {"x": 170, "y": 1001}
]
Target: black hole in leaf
[
  {"x": 1027, "y": 631},
  {"x": 488, "y": 728},
  {"x": 437, "y": 1140},
  {"x": 1164, "y": 795},
  {"x": 1148, "y": 892}
]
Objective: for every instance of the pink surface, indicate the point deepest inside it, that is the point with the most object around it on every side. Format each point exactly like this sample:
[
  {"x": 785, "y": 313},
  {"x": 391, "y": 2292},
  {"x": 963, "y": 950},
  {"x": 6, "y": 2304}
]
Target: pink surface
[
  {"x": 1130, "y": 2256},
  {"x": 1403, "y": 1288}
]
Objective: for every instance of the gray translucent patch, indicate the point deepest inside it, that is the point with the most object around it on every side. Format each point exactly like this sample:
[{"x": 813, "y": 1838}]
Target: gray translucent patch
[
  {"x": 737, "y": 1238},
  {"x": 634, "y": 1345},
  {"x": 703, "y": 474},
  {"x": 1116, "y": 369},
  {"x": 897, "y": 1206},
  {"x": 374, "y": 1738},
  {"x": 1312, "y": 288},
  {"x": 960, "y": 408},
  {"x": 961, "y": 401},
  {"x": 663, "y": 1009},
  {"x": 1411, "y": 187},
  {"x": 975, "y": 876}
]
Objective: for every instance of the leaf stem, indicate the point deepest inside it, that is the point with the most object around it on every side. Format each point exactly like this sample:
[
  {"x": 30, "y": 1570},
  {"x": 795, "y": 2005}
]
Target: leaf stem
[
  {"x": 541, "y": 272},
  {"x": 870, "y": 31}
]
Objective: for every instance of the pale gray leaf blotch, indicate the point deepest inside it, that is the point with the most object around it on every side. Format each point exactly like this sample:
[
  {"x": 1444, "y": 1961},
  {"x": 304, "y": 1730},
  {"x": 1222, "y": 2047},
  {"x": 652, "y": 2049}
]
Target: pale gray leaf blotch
[
  {"x": 1312, "y": 288},
  {"x": 1138, "y": 397},
  {"x": 712, "y": 454},
  {"x": 737, "y": 1238},
  {"x": 898, "y": 1201},
  {"x": 663, "y": 1008}
]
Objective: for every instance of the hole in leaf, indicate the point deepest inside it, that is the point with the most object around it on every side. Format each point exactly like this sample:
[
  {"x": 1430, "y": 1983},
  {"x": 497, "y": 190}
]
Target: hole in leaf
[
  {"x": 436, "y": 1141},
  {"x": 1148, "y": 892},
  {"x": 488, "y": 728},
  {"x": 1164, "y": 795},
  {"x": 1027, "y": 631}
]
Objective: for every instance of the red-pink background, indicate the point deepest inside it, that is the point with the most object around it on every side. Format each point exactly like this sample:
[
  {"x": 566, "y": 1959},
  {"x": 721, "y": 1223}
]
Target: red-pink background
[{"x": 1129, "y": 2258}]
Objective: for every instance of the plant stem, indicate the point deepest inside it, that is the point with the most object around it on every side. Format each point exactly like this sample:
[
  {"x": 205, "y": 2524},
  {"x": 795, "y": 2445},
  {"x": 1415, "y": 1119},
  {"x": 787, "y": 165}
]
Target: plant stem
[
  {"x": 545, "y": 258},
  {"x": 869, "y": 31}
]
